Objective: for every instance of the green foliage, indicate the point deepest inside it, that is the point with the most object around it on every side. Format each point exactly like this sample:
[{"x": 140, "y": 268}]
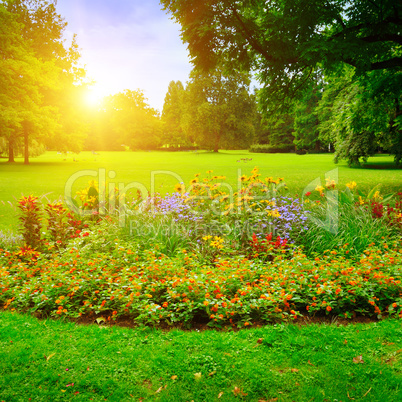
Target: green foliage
[
  {"x": 358, "y": 115},
  {"x": 36, "y": 70},
  {"x": 31, "y": 221},
  {"x": 172, "y": 113},
  {"x": 288, "y": 45},
  {"x": 220, "y": 113},
  {"x": 126, "y": 120},
  {"x": 272, "y": 149},
  {"x": 285, "y": 41}
]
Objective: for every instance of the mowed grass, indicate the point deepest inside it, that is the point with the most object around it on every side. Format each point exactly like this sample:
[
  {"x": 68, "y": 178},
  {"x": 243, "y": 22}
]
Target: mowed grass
[
  {"x": 52, "y": 361},
  {"x": 48, "y": 174}
]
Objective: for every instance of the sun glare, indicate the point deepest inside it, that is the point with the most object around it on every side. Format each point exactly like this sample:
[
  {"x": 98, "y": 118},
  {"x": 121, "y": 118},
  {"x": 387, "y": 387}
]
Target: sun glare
[{"x": 94, "y": 96}]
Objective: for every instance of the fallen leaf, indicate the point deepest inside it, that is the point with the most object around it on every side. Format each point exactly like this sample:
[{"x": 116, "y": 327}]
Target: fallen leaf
[
  {"x": 294, "y": 370},
  {"x": 358, "y": 359},
  {"x": 345, "y": 341},
  {"x": 198, "y": 376},
  {"x": 212, "y": 373},
  {"x": 237, "y": 391},
  {"x": 309, "y": 362},
  {"x": 159, "y": 390},
  {"x": 259, "y": 340},
  {"x": 174, "y": 377},
  {"x": 366, "y": 393},
  {"x": 227, "y": 354},
  {"x": 100, "y": 320},
  {"x": 49, "y": 357},
  {"x": 220, "y": 395}
]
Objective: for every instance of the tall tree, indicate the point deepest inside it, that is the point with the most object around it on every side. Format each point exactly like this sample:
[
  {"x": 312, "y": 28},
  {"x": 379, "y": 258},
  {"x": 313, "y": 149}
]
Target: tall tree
[
  {"x": 132, "y": 121},
  {"x": 45, "y": 66},
  {"x": 286, "y": 41},
  {"x": 306, "y": 123},
  {"x": 173, "y": 109},
  {"x": 360, "y": 116},
  {"x": 220, "y": 110}
]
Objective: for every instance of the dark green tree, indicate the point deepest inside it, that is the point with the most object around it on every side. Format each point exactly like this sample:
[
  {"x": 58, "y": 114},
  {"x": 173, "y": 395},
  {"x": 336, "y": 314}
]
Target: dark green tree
[
  {"x": 219, "y": 110},
  {"x": 172, "y": 113},
  {"x": 288, "y": 41},
  {"x": 306, "y": 124},
  {"x": 361, "y": 116}
]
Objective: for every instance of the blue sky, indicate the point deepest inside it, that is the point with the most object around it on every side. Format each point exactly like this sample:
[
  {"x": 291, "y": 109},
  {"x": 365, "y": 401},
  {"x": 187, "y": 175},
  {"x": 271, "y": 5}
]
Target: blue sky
[{"x": 127, "y": 44}]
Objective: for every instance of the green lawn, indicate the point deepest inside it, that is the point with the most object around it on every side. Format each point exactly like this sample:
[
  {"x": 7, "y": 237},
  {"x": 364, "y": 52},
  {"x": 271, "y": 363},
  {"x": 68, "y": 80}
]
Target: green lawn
[
  {"x": 52, "y": 361},
  {"x": 48, "y": 174}
]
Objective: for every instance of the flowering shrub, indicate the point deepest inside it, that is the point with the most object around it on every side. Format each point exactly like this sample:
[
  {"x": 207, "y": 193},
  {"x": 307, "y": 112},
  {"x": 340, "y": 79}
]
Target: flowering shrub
[
  {"x": 392, "y": 215},
  {"x": 152, "y": 289},
  {"x": 266, "y": 248},
  {"x": 31, "y": 221}
]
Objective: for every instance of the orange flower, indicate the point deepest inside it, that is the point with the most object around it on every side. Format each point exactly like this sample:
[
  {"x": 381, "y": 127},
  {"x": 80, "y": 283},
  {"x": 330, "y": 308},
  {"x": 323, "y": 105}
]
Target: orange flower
[
  {"x": 329, "y": 308},
  {"x": 206, "y": 303}
]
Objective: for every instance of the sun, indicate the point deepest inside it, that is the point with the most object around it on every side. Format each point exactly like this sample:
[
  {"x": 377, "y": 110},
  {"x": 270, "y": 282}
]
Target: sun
[{"x": 94, "y": 96}]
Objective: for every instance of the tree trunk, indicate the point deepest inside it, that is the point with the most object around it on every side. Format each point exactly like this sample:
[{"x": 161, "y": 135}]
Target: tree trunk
[
  {"x": 217, "y": 140},
  {"x": 26, "y": 147},
  {"x": 11, "y": 151}
]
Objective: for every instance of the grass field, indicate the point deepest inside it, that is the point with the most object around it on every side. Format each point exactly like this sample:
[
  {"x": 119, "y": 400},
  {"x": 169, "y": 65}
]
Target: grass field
[
  {"x": 167, "y": 273},
  {"x": 48, "y": 174},
  {"x": 53, "y": 361}
]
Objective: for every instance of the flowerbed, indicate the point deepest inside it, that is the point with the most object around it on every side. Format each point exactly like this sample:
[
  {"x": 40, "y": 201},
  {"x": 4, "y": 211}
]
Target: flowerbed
[
  {"x": 205, "y": 254},
  {"x": 150, "y": 288}
]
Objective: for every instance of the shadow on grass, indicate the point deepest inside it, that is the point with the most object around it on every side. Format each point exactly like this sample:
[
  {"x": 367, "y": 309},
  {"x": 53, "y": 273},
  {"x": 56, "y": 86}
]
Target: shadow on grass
[{"x": 380, "y": 166}]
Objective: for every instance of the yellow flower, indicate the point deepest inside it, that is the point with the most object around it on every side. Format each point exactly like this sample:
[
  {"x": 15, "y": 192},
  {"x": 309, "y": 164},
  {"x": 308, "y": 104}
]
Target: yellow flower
[
  {"x": 351, "y": 185},
  {"x": 179, "y": 188},
  {"x": 93, "y": 183},
  {"x": 319, "y": 188},
  {"x": 330, "y": 183},
  {"x": 377, "y": 196}
]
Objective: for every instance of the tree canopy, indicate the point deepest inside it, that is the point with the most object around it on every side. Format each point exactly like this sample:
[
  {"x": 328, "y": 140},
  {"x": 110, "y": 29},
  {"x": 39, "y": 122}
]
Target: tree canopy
[
  {"x": 35, "y": 69},
  {"x": 289, "y": 42},
  {"x": 285, "y": 40},
  {"x": 125, "y": 121},
  {"x": 219, "y": 111}
]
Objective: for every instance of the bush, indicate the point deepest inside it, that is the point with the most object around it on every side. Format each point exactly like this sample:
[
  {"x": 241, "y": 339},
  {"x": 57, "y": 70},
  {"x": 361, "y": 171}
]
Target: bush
[{"x": 272, "y": 149}]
